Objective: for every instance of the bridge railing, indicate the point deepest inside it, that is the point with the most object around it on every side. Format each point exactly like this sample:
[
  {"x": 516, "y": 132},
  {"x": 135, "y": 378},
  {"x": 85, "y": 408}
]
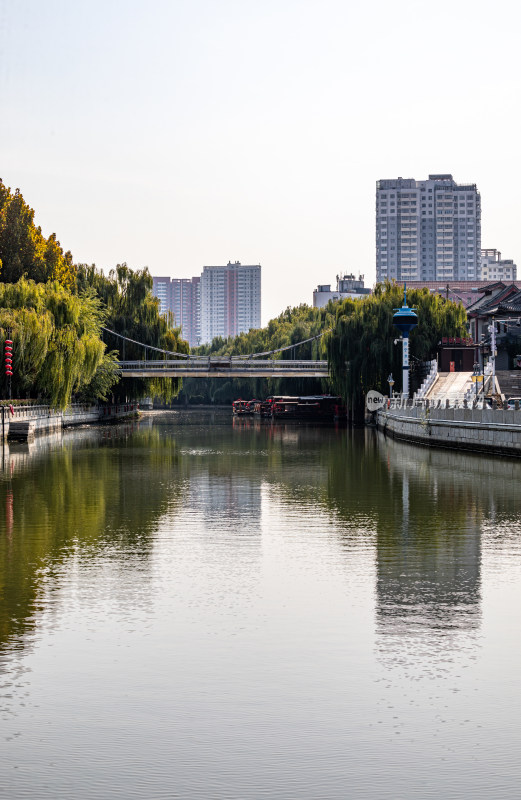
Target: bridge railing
[{"x": 203, "y": 365}]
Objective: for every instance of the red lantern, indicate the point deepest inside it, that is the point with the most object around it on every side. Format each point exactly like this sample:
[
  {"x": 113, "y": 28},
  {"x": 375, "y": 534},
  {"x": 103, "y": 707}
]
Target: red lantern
[{"x": 8, "y": 357}]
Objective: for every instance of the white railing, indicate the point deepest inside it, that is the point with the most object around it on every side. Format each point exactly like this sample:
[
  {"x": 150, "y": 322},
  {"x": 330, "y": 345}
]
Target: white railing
[
  {"x": 429, "y": 380},
  {"x": 425, "y": 403}
]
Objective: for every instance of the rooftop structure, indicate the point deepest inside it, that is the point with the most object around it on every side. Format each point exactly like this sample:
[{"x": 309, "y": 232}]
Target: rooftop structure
[
  {"x": 346, "y": 286},
  {"x": 495, "y": 268}
]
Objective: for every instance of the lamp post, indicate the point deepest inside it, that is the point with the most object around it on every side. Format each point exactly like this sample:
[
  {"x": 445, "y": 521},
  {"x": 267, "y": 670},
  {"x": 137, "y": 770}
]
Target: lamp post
[
  {"x": 477, "y": 377},
  {"x": 390, "y": 381},
  {"x": 405, "y": 320}
]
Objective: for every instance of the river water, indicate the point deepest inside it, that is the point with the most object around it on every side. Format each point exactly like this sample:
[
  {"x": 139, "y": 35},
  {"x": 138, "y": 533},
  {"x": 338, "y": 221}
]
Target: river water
[{"x": 199, "y": 607}]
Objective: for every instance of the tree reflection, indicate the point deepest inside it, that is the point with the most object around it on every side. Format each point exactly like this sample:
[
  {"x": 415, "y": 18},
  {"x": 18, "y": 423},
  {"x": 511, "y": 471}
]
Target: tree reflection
[{"x": 97, "y": 490}]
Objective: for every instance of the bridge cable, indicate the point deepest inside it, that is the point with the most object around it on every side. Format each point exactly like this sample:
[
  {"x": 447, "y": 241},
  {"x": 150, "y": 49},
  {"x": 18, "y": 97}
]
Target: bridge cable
[
  {"x": 149, "y": 346},
  {"x": 206, "y": 357}
]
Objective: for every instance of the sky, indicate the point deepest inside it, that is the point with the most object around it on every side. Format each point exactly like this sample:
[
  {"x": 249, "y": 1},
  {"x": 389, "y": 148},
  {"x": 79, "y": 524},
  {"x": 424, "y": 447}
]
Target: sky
[{"x": 175, "y": 134}]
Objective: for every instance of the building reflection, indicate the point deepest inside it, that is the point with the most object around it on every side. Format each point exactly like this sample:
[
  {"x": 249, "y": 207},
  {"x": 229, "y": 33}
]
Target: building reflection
[{"x": 429, "y": 548}]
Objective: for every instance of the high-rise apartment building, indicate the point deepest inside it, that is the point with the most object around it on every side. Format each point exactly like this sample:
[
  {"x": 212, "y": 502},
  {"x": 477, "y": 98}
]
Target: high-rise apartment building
[
  {"x": 230, "y": 300},
  {"x": 186, "y": 307},
  {"x": 427, "y": 230},
  {"x": 182, "y": 297},
  {"x": 495, "y": 268},
  {"x": 161, "y": 290},
  {"x": 223, "y": 301}
]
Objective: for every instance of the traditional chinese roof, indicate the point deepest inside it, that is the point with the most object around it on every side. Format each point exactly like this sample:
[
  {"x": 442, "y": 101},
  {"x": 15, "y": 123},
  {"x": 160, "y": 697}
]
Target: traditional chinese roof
[{"x": 498, "y": 296}]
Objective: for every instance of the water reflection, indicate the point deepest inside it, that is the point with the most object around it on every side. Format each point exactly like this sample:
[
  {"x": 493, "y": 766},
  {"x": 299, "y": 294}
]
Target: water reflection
[
  {"x": 428, "y": 587},
  {"x": 105, "y": 490},
  {"x": 72, "y": 496},
  {"x": 245, "y": 606}
]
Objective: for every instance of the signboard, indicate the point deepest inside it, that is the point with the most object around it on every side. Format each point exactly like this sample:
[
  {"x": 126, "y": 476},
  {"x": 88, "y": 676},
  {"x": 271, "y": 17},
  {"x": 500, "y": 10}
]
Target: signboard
[
  {"x": 405, "y": 344},
  {"x": 374, "y": 400}
]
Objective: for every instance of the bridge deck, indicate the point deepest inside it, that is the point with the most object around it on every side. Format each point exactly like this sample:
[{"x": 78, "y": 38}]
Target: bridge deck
[{"x": 224, "y": 368}]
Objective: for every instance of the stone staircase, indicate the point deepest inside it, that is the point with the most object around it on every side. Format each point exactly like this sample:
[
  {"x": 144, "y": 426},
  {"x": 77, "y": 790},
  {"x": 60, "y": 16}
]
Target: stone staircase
[
  {"x": 509, "y": 382},
  {"x": 450, "y": 386}
]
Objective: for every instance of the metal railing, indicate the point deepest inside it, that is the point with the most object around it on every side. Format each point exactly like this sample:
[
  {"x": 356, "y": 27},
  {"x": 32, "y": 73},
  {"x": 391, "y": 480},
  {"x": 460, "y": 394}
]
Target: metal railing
[{"x": 233, "y": 365}]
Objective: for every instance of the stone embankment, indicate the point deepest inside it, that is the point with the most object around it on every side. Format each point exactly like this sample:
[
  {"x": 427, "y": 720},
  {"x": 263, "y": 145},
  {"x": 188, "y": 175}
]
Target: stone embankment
[
  {"x": 25, "y": 422},
  {"x": 492, "y": 430}
]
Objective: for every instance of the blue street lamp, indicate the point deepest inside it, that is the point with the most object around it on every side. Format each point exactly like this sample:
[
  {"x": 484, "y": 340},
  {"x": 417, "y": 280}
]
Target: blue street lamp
[{"x": 405, "y": 320}]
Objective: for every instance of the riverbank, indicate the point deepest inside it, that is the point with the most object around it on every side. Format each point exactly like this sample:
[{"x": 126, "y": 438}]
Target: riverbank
[
  {"x": 496, "y": 431},
  {"x": 25, "y": 422}
]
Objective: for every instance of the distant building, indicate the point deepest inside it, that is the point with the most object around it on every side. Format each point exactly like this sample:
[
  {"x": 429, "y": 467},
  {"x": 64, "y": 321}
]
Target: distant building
[
  {"x": 161, "y": 290},
  {"x": 427, "y": 230},
  {"x": 346, "y": 286},
  {"x": 230, "y": 300},
  {"x": 495, "y": 268},
  {"x": 223, "y": 301},
  {"x": 186, "y": 307},
  {"x": 181, "y": 296}
]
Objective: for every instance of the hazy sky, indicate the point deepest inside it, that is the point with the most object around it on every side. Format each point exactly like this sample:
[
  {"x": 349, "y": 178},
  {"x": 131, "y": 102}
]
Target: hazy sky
[{"x": 180, "y": 133}]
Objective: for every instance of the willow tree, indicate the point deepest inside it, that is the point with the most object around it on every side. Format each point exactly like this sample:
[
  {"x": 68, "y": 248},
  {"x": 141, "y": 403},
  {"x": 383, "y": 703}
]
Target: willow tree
[
  {"x": 360, "y": 347},
  {"x": 57, "y": 348},
  {"x": 133, "y": 312},
  {"x": 301, "y": 323}
]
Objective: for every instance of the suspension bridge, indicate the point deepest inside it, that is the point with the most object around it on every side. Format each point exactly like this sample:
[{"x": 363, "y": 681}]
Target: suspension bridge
[{"x": 168, "y": 364}]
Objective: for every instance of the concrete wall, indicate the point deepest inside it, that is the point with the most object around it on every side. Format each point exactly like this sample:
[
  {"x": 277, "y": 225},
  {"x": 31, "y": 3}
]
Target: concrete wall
[
  {"x": 27, "y": 421},
  {"x": 488, "y": 430}
]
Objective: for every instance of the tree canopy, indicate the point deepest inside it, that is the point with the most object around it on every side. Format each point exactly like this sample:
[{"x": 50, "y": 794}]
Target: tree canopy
[
  {"x": 132, "y": 311},
  {"x": 57, "y": 311},
  {"x": 24, "y": 250},
  {"x": 291, "y": 326},
  {"x": 57, "y": 349},
  {"x": 360, "y": 347}
]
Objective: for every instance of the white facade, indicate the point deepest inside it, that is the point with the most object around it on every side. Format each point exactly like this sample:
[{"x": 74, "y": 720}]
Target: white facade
[
  {"x": 427, "y": 230},
  {"x": 230, "y": 300},
  {"x": 346, "y": 286},
  {"x": 495, "y": 268},
  {"x": 161, "y": 290},
  {"x": 223, "y": 301}
]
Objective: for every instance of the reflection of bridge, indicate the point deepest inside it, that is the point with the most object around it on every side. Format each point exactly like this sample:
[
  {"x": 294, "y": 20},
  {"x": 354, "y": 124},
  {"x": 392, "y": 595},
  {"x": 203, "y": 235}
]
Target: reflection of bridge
[{"x": 224, "y": 368}]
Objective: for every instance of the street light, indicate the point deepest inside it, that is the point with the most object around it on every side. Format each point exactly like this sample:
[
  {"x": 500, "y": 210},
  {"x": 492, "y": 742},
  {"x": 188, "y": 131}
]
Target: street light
[
  {"x": 477, "y": 377},
  {"x": 390, "y": 381}
]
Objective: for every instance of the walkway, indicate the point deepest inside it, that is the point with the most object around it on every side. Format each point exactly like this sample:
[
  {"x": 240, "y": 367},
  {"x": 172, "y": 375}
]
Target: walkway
[
  {"x": 224, "y": 368},
  {"x": 450, "y": 386}
]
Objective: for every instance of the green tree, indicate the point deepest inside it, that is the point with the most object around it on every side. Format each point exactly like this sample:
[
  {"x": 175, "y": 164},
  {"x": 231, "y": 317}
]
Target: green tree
[
  {"x": 360, "y": 347},
  {"x": 133, "y": 312},
  {"x": 57, "y": 348},
  {"x": 24, "y": 251}
]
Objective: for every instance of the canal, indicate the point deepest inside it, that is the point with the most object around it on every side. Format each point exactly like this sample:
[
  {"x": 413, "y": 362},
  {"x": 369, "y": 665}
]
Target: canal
[{"x": 199, "y": 607}]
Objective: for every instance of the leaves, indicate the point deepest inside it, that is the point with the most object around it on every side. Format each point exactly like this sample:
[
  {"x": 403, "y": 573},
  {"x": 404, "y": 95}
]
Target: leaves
[
  {"x": 361, "y": 350},
  {"x": 57, "y": 349},
  {"x": 24, "y": 251}
]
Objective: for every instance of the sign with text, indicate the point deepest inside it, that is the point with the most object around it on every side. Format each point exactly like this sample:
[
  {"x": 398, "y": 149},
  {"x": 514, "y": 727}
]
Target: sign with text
[
  {"x": 374, "y": 400},
  {"x": 405, "y": 345}
]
